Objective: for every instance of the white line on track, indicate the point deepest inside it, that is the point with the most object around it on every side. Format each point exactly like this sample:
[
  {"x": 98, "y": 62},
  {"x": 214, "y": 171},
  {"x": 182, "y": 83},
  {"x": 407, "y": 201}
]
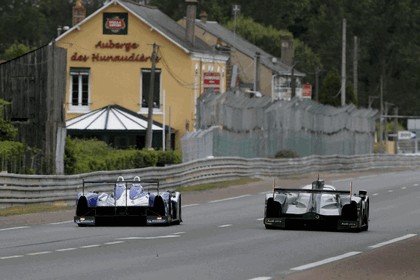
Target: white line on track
[
  {"x": 403, "y": 188},
  {"x": 60, "y": 223},
  {"x": 261, "y": 278},
  {"x": 229, "y": 198},
  {"x": 89, "y": 246},
  {"x": 190, "y": 205},
  {"x": 148, "y": 237},
  {"x": 260, "y": 219},
  {"x": 11, "y": 257},
  {"x": 65, "y": 249},
  {"x": 392, "y": 241},
  {"x": 325, "y": 261},
  {"x": 179, "y": 232},
  {"x": 224, "y": 226},
  {"x": 390, "y": 190},
  {"x": 375, "y": 194},
  {"x": 114, "y": 242},
  {"x": 13, "y": 228},
  {"x": 38, "y": 253}
]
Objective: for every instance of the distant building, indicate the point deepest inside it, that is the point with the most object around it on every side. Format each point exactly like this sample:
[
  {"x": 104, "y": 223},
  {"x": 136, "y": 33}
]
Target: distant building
[
  {"x": 109, "y": 63},
  {"x": 250, "y": 67}
]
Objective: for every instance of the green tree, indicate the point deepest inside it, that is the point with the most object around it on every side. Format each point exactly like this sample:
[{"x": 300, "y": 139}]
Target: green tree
[
  {"x": 7, "y": 131},
  {"x": 15, "y": 50}
]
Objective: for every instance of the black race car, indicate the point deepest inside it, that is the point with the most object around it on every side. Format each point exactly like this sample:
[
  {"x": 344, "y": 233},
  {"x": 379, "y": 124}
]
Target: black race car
[{"x": 317, "y": 206}]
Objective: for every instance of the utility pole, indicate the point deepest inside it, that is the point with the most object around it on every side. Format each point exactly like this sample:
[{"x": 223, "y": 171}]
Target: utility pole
[
  {"x": 355, "y": 65},
  {"x": 257, "y": 72},
  {"x": 343, "y": 66},
  {"x": 149, "y": 132},
  {"x": 381, "y": 113},
  {"x": 317, "y": 84}
]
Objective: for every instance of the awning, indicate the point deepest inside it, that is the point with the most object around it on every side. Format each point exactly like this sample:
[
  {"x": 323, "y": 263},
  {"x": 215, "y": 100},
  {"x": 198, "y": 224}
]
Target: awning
[{"x": 112, "y": 117}]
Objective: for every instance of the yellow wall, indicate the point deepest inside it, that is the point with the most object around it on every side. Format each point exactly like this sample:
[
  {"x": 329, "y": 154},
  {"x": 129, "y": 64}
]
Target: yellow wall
[{"x": 120, "y": 82}]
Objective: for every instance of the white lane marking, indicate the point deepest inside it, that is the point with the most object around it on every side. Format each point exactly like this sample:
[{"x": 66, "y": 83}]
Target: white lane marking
[
  {"x": 390, "y": 191},
  {"x": 375, "y": 194},
  {"x": 65, "y": 249},
  {"x": 260, "y": 219},
  {"x": 223, "y": 226},
  {"x": 113, "y": 242},
  {"x": 190, "y": 205},
  {"x": 229, "y": 198},
  {"x": 89, "y": 246},
  {"x": 261, "y": 278},
  {"x": 60, "y": 223},
  {"x": 403, "y": 188},
  {"x": 38, "y": 253},
  {"x": 392, "y": 241},
  {"x": 149, "y": 237},
  {"x": 13, "y": 228},
  {"x": 179, "y": 232},
  {"x": 11, "y": 257},
  {"x": 325, "y": 261}
]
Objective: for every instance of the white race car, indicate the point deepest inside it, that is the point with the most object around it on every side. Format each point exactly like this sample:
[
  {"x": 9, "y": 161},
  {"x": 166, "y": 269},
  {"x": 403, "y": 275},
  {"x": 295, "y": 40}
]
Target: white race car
[{"x": 128, "y": 203}]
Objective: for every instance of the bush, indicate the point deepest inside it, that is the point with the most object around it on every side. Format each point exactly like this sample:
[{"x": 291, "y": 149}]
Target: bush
[
  {"x": 83, "y": 156},
  {"x": 286, "y": 154}
]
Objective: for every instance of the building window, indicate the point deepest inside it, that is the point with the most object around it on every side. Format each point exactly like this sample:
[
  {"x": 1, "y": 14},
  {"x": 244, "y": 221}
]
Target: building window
[
  {"x": 79, "y": 89},
  {"x": 145, "y": 89}
]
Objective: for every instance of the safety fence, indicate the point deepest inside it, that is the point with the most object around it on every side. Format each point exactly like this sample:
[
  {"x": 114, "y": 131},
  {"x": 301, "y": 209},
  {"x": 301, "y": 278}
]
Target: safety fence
[
  {"x": 17, "y": 189},
  {"x": 232, "y": 124}
]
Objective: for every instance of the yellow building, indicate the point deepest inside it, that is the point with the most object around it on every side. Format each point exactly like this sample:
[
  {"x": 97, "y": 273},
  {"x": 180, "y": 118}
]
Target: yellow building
[{"x": 109, "y": 62}]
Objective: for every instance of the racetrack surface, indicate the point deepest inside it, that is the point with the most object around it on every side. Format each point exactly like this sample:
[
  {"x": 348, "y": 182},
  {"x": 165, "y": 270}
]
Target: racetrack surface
[{"x": 223, "y": 237}]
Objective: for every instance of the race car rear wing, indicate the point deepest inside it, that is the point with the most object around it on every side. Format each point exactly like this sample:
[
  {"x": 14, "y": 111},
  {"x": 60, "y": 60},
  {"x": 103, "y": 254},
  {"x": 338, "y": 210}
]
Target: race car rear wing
[
  {"x": 99, "y": 185},
  {"x": 283, "y": 190}
]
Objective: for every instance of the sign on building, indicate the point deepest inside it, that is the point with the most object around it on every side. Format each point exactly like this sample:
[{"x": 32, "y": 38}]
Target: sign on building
[{"x": 211, "y": 80}]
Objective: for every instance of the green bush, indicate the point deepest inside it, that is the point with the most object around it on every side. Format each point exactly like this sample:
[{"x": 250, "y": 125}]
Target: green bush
[{"x": 83, "y": 156}]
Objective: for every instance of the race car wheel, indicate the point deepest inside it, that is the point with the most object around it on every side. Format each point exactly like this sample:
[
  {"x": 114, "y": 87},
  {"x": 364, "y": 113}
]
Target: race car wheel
[
  {"x": 273, "y": 209},
  {"x": 178, "y": 216}
]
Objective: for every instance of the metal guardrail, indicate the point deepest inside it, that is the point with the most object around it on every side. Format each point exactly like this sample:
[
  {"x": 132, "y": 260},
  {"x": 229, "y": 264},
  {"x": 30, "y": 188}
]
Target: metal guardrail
[{"x": 17, "y": 189}]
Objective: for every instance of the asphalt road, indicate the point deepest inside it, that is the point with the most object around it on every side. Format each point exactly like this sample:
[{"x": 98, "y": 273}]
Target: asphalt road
[{"x": 223, "y": 237}]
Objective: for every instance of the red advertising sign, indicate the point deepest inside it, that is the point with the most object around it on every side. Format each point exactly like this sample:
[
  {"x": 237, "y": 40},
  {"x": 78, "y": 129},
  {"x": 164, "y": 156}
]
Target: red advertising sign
[
  {"x": 307, "y": 91},
  {"x": 211, "y": 80}
]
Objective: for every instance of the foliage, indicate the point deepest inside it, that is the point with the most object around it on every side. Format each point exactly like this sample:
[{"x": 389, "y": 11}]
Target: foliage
[
  {"x": 11, "y": 155},
  {"x": 83, "y": 156},
  {"x": 286, "y": 154},
  {"x": 7, "y": 130},
  {"x": 330, "y": 92},
  {"x": 15, "y": 50}
]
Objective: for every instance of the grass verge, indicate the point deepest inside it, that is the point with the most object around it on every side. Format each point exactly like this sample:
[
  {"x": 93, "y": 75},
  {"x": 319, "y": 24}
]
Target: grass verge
[
  {"x": 217, "y": 185},
  {"x": 32, "y": 208}
]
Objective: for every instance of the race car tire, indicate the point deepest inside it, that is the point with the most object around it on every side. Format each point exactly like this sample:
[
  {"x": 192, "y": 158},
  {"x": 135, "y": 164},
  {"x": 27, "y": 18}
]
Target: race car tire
[
  {"x": 179, "y": 216},
  {"x": 273, "y": 209}
]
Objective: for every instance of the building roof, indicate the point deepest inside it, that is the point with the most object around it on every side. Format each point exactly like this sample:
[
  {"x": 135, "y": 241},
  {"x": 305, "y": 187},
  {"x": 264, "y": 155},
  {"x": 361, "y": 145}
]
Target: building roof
[
  {"x": 159, "y": 22},
  {"x": 247, "y": 48},
  {"x": 111, "y": 117}
]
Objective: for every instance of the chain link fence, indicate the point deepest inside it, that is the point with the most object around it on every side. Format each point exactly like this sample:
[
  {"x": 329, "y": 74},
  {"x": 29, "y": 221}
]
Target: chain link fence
[{"x": 232, "y": 124}]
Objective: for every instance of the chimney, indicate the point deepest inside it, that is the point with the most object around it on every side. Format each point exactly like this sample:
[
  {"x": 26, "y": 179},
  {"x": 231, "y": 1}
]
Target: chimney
[
  {"x": 191, "y": 15},
  {"x": 203, "y": 17},
  {"x": 287, "y": 50},
  {"x": 79, "y": 12}
]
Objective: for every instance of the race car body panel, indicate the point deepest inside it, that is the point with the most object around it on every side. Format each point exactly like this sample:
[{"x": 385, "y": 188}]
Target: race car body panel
[
  {"x": 127, "y": 203},
  {"x": 317, "y": 205}
]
